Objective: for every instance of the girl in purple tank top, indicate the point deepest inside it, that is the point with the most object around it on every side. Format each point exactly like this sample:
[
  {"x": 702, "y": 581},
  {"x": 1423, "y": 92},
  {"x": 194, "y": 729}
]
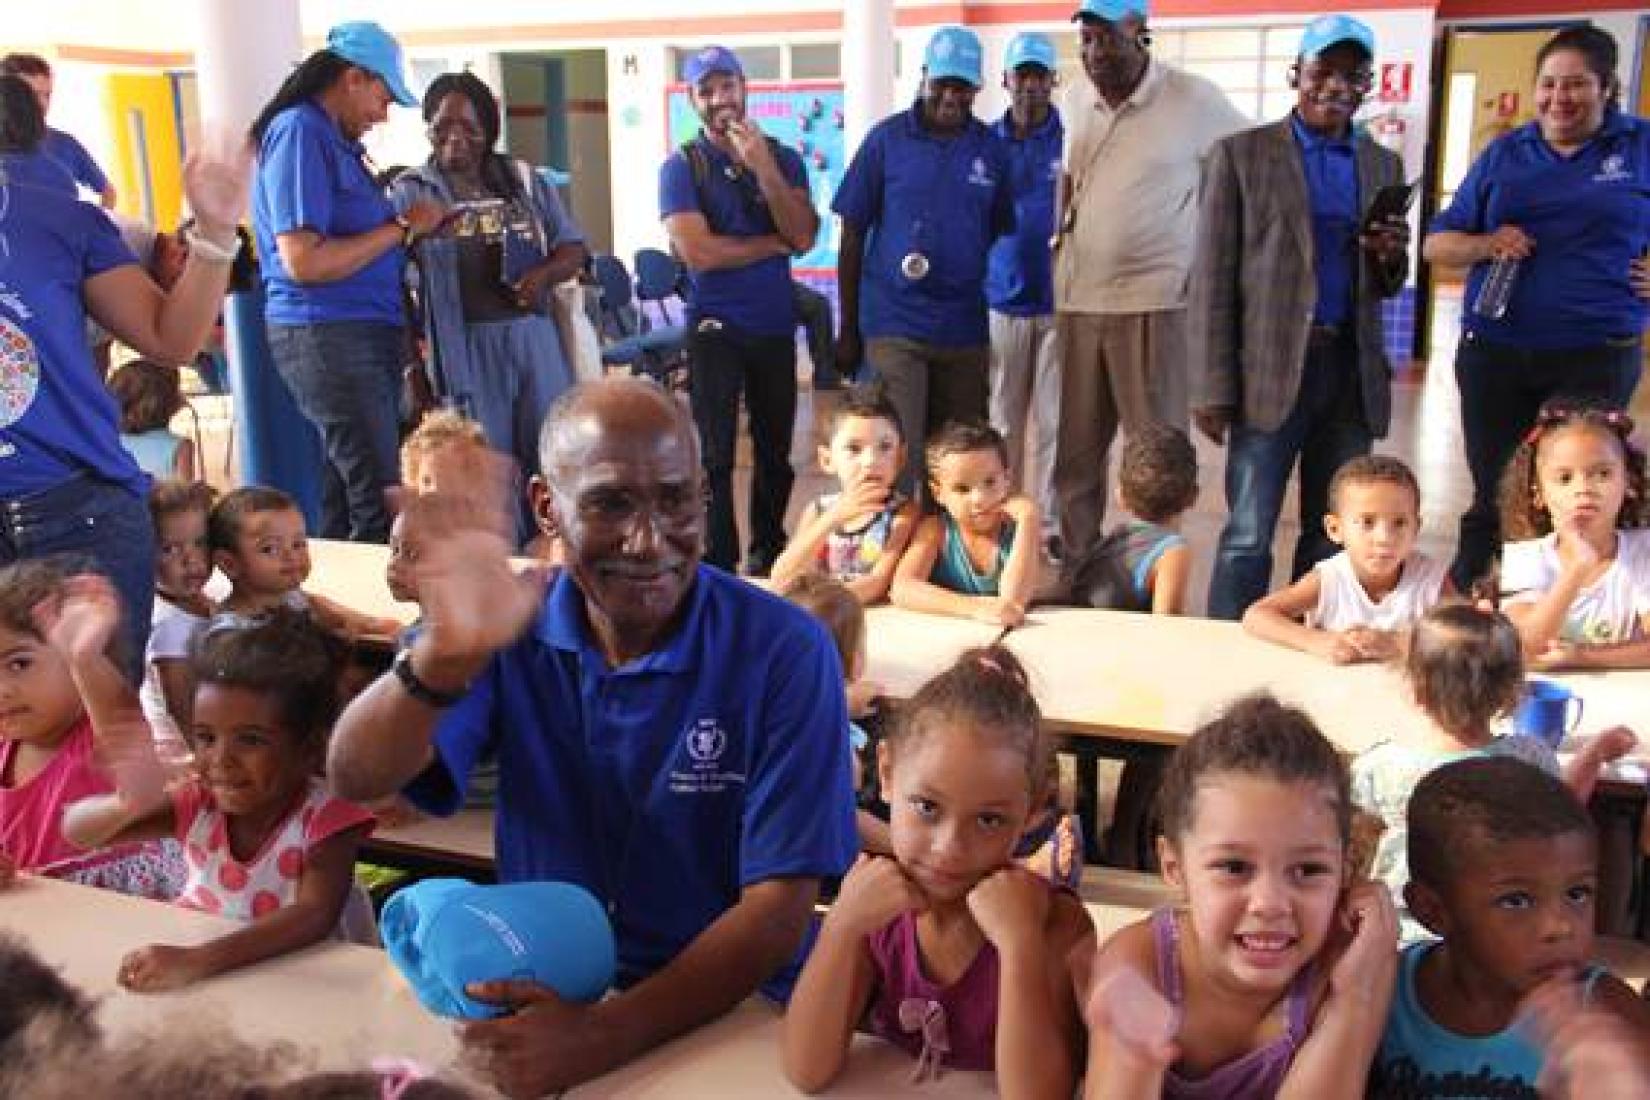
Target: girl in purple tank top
[
  {"x": 948, "y": 950},
  {"x": 1273, "y": 977}
]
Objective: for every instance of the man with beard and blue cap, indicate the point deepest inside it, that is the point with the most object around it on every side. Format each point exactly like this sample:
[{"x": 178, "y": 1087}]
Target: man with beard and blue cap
[{"x": 1287, "y": 356}]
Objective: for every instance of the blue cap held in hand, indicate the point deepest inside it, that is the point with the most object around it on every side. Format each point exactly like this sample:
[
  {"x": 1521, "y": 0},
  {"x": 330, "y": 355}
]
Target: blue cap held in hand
[
  {"x": 1331, "y": 30},
  {"x": 954, "y": 54},
  {"x": 711, "y": 59},
  {"x": 444, "y": 934},
  {"x": 1030, "y": 48},
  {"x": 1112, "y": 11},
  {"x": 372, "y": 48}
]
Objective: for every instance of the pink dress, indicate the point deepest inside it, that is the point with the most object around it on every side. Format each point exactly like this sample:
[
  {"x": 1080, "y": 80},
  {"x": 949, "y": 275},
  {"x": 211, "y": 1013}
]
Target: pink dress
[
  {"x": 219, "y": 883},
  {"x": 31, "y": 825},
  {"x": 941, "y": 1026}
]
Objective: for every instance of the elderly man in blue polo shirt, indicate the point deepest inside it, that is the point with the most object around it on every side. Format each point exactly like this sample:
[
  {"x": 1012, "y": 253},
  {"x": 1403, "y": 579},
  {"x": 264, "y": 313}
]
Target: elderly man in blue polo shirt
[
  {"x": 1019, "y": 279},
  {"x": 737, "y": 208},
  {"x": 1285, "y": 327},
  {"x": 668, "y": 737},
  {"x": 924, "y": 197}
]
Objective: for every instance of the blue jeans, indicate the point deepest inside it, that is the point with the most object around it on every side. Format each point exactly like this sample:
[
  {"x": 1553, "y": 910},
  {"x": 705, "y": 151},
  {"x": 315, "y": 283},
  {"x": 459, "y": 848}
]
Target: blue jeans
[
  {"x": 346, "y": 378},
  {"x": 1502, "y": 390},
  {"x": 1324, "y": 429},
  {"x": 108, "y": 526}
]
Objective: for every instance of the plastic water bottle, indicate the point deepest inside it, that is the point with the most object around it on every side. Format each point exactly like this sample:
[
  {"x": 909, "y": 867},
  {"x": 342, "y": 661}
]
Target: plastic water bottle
[{"x": 1497, "y": 290}]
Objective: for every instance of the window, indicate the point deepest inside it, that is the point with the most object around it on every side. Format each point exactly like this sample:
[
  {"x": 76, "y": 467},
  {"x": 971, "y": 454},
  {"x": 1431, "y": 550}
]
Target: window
[{"x": 816, "y": 61}]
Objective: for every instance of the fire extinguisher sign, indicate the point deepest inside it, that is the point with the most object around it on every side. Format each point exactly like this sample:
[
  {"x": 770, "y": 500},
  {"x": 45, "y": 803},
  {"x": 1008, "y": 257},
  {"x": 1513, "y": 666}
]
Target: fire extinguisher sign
[{"x": 1397, "y": 82}]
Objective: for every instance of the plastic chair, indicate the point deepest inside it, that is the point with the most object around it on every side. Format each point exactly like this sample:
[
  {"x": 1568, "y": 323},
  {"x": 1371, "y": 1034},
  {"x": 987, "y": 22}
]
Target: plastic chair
[
  {"x": 659, "y": 277},
  {"x": 628, "y": 337}
]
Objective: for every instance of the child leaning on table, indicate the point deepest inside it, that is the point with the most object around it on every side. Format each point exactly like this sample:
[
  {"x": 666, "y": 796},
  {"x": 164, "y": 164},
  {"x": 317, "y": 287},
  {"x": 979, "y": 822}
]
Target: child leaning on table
[
  {"x": 47, "y": 757},
  {"x": 1145, "y": 564},
  {"x": 977, "y": 557},
  {"x": 857, "y": 533},
  {"x": 265, "y": 843},
  {"x": 1360, "y": 604},
  {"x": 1466, "y": 671},
  {"x": 1273, "y": 975},
  {"x": 1504, "y": 866},
  {"x": 1578, "y": 584},
  {"x": 259, "y": 542},
  {"x": 947, "y": 949}
]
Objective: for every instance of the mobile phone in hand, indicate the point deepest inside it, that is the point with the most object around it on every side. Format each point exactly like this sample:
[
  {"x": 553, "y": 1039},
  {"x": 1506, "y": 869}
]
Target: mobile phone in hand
[{"x": 1391, "y": 201}]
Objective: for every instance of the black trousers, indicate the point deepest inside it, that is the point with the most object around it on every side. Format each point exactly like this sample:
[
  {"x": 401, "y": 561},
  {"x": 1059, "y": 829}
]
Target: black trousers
[
  {"x": 1502, "y": 390},
  {"x": 728, "y": 364}
]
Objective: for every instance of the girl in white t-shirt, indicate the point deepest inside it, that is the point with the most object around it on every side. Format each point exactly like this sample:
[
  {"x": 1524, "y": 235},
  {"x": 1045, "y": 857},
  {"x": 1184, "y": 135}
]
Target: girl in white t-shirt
[
  {"x": 183, "y": 566},
  {"x": 1360, "y": 604},
  {"x": 1578, "y": 586}
]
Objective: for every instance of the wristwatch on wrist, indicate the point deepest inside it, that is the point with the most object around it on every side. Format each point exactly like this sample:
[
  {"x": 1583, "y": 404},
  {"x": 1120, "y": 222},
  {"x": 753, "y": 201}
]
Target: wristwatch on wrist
[
  {"x": 406, "y": 229},
  {"x": 418, "y": 689}
]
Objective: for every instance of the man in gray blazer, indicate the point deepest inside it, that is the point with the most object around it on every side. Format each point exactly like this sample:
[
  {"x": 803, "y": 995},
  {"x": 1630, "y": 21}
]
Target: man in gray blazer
[{"x": 1284, "y": 306}]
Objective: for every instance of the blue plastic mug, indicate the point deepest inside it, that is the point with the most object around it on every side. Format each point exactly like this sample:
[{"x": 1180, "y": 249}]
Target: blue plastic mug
[{"x": 1549, "y": 711}]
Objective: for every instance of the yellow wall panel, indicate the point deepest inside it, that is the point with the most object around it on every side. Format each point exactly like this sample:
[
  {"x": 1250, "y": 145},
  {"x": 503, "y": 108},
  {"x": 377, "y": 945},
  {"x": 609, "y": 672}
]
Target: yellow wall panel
[{"x": 148, "y": 169}]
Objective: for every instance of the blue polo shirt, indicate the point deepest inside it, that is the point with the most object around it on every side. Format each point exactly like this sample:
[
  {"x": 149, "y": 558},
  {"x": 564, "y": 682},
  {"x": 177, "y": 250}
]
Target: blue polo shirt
[
  {"x": 667, "y": 785},
  {"x": 1019, "y": 277},
  {"x": 756, "y": 298},
  {"x": 310, "y": 176},
  {"x": 906, "y": 191},
  {"x": 1590, "y": 216},
  {"x": 57, "y": 419},
  {"x": 67, "y": 151},
  {"x": 1332, "y": 192}
]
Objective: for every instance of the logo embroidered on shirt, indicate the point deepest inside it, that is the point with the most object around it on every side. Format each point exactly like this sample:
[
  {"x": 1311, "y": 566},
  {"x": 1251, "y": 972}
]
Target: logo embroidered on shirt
[
  {"x": 1612, "y": 169},
  {"x": 979, "y": 175},
  {"x": 704, "y": 744},
  {"x": 706, "y": 741}
]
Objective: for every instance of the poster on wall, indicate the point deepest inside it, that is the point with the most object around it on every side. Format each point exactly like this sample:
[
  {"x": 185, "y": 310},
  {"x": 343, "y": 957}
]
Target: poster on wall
[{"x": 807, "y": 117}]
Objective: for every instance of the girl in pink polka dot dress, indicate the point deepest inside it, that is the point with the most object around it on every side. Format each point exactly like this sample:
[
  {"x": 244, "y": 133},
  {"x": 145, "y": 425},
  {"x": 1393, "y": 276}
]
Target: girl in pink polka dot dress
[{"x": 264, "y": 841}]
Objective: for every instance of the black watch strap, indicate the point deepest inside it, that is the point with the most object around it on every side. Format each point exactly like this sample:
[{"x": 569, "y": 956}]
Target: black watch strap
[{"x": 418, "y": 689}]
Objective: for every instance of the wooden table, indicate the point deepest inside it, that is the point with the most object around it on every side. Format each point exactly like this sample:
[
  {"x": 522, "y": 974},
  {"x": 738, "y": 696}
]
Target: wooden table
[
  {"x": 346, "y": 1005},
  {"x": 343, "y": 1003},
  {"x": 461, "y": 844}
]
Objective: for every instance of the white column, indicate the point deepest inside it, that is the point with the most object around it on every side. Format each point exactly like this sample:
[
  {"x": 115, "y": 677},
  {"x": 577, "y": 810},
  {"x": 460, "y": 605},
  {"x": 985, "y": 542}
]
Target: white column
[
  {"x": 867, "y": 67},
  {"x": 242, "y": 54}
]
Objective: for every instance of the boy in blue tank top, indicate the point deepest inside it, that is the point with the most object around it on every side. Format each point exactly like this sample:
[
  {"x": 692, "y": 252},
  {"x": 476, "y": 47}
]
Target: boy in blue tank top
[{"x": 1504, "y": 869}]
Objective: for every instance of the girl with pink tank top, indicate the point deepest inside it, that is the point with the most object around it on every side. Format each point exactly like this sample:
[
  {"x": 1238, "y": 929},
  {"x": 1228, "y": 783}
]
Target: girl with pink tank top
[
  {"x": 1273, "y": 977},
  {"x": 948, "y": 950}
]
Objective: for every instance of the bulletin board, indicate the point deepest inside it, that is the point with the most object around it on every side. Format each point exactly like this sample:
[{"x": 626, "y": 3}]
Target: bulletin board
[{"x": 805, "y": 115}]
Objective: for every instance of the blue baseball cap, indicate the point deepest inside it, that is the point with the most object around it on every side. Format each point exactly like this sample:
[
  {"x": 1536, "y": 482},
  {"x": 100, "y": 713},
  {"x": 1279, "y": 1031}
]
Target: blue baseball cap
[
  {"x": 1030, "y": 48},
  {"x": 954, "y": 53},
  {"x": 711, "y": 59},
  {"x": 372, "y": 48},
  {"x": 445, "y": 933},
  {"x": 1112, "y": 11},
  {"x": 1331, "y": 30}
]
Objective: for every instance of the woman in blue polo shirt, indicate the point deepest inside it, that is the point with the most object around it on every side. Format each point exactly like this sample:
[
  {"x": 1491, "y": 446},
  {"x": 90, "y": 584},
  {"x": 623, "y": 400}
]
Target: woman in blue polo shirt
[
  {"x": 333, "y": 249},
  {"x": 1567, "y": 196},
  {"x": 66, "y": 484}
]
